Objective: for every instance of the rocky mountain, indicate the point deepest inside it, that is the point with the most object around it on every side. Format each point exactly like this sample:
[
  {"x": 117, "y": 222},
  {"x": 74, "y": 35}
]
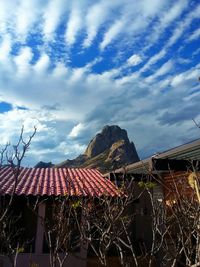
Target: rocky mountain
[
  {"x": 108, "y": 150},
  {"x": 42, "y": 164}
]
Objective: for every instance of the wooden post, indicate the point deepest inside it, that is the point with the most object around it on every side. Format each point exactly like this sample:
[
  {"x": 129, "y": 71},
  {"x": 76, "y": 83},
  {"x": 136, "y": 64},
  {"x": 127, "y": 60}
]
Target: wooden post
[{"x": 40, "y": 229}]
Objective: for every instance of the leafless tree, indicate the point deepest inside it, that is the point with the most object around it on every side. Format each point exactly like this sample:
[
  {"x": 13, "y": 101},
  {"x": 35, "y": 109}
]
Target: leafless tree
[
  {"x": 103, "y": 223},
  {"x": 175, "y": 224},
  {"x": 108, "y": 221},
  {"x": 184, "y": 222},
  {"x": 12, "y": 157},
  {"x": 196, "y": 124},
  {"x": 61, "y": 228},
  {"x": 175, "y": 220}
]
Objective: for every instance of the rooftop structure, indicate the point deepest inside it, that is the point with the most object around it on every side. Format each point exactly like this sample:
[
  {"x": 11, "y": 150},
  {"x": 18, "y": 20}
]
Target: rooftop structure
[
  {"x": 56, "y": 181},
  {"x": 183, "y": 153}
]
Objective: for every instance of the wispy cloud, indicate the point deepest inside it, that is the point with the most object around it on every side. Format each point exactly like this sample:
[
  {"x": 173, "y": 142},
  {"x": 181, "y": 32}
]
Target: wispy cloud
[
  {"x": 74, "y": 25},
  {"x": 165, "y": 20},
  {"x": 183, "y": 26},
  {"x": 26, "y": 15},
  {"x": 134, "y": 60},
  {"x": 176, "y": 34},
  {"x": 96, "y": 15},
  {"x": 22, "y": 61},
  {"x": 165, "y": 68},
  {"x": 112, "y": 33},
  {"x": 5, "y": 47},
  {"x": 195, "y": 35},
  {"x": 42, "y": 64},
  {"x": 186, "y": 76},
  {"x": 76, "y": 130},
  {"x": 51, "y": 17},
  {"x": 74, "y": 66}
]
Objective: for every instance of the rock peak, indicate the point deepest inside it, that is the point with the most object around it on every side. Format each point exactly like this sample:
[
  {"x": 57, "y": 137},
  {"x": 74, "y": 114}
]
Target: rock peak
[
  {"x": 108, "y": 150},
  {"x": 104, "y": 140}
]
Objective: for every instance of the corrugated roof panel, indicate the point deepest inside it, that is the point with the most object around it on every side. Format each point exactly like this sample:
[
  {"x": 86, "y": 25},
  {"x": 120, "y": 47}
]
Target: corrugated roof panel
[
  {"x": 189, "y": 151},
  {"x": 56, "y": 181}
]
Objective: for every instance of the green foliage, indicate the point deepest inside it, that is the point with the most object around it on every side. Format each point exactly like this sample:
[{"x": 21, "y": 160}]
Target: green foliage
[
  {"x": 76, "y": 204},
  {"x": 125, "y": 218},
  {"x": 20, "y": 250},
  {"x": 147, "y": 185}
]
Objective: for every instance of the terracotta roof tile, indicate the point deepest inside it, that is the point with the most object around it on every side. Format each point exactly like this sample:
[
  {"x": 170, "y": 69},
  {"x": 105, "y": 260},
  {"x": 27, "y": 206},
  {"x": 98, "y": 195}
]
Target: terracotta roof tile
[{"x": 56, "y": 181}]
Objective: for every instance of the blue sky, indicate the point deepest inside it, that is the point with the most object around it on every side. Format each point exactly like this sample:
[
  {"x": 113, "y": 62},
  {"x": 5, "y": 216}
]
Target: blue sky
[{"x": 71, "y": 67}]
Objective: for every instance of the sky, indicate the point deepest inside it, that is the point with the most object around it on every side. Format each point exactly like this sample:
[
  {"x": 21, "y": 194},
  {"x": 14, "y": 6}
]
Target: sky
[{"x": 71, "y": 67}]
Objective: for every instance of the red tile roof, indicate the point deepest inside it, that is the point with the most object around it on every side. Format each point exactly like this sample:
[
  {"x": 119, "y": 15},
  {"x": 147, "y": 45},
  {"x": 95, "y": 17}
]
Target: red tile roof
[{"x": 56, "y": 181}]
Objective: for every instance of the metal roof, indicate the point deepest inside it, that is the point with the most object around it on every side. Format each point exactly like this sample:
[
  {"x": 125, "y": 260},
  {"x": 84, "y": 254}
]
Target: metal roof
[
  {"x": 56, "y": 181},
  {"x": 189, "y": 151}
]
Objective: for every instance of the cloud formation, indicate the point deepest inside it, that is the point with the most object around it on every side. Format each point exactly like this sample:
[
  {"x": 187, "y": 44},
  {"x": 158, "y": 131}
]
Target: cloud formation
[{"x": 71, "y": 67}]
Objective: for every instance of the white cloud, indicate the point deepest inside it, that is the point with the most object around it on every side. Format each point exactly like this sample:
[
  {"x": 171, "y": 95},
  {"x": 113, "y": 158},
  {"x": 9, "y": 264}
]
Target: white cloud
[
  {"x": 76, "y": 130},
  {"x": 196, "y": 52},
  {"x": 165, "y": 20},
  {"x": 195, "y": 35},
  {"x": 151, "y": 7},
  {"x": 57, "y": 87},
  {"x": 182, "y": 26},
  {"x": 164, "y": 69},
  {"x": 50, "y": 142},
  {"x": 112, "y": 33},
  {"x": 5, "y": 48},
  {"x": 60, "y": 70},
  {"x": 176, "y": 34},
  {"x": 42, "y": 64},
  {"x": 193, "y": 95},
  {"x": 73, "y": 26},
  {"x": 96, "y": 15},
  {"x": 159, "y": 133},
  {"x": 13, "y": 120},
  {"x": 77, "y": 75},
  {"x": 133, "y": 77},
  {"x": 7, "y": 15},
  {"x": 60, "y": 92},
  {"x": 134, "y": 60},
  {"x": 22, "y": 61},
  {"x": 51, "y": 122},
  {"x": 175, "y": 11},
  {"x": 105, "y": 15},
  {"x": 187, "y": 76},
  {"x": 69, "y": 149},
  {"x": 52, "y": 17},
  {"x": 26, "y": 15},
  {"x": 154, "y": 59}
]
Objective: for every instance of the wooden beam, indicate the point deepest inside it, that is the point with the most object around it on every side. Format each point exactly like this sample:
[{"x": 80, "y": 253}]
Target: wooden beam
[{"x": 129, "y": 176}]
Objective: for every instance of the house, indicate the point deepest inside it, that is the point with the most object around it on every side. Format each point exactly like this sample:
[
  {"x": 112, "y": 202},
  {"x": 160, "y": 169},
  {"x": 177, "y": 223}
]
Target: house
[
  {"x": 165, "y": 167},
  {"x": 43, "y": 185},
  {"x": 176, "y": 175}
]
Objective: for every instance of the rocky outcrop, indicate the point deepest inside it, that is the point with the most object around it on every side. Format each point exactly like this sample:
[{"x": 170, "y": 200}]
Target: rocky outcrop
[
  {"x": 108, "y": 150},
  {"x": 42, "y": 164}
]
